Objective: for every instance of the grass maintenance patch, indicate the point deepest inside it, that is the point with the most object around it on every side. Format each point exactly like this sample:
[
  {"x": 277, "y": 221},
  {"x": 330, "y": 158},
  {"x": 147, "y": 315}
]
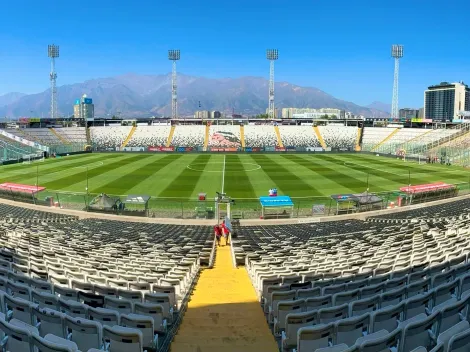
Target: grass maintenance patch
[{"x": 241, "y": 176}]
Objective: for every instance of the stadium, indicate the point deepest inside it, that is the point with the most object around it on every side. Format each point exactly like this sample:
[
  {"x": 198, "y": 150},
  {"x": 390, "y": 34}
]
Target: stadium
[{"x": 340, "y": 237}]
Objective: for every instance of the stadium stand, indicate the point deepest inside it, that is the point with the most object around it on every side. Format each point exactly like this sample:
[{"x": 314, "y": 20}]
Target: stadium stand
[
  {"x": 373, "y": 136},
  {"x": 73, "y": 134},
  {"x": 154, "y": 136},
  {"x": 357, "y": 289},
  {"x": 260, "y": 136},
  {"x": 337, "y": 136},
  {"x": 299, "y": 136},
  {"x": 80, "y": 282},
  {"x": 109, "y": 137},
  {"x": 41, "y": 135},
  {"x": 188, "y": 136},
  {"x": 224, "y": 136}
]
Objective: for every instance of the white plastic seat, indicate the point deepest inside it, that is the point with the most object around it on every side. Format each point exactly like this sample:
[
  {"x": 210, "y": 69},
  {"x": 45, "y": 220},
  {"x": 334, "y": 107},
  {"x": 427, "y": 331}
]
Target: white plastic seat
[
  {"x": 314, "y": 337},
  {"x": 363, "y": 306},
  {"x": 445, "y": 292},
  {"x": 73, "y": 308},
  {"x": 51, "y": 343},
  {"x": 123, "y": 339},
  {"x": 416, "y": 305},
  {"x": 332, "y": 314},
  {"x": 85, "y": 333},
  {"x": 65, "y": 292},
  {"x": 145, "y": 325},
  {"x": 19, "y": 290},
  {"x": 391, "y": 298},
  {"x": 123, "y": 306},
  {"x": 387, "y": 318},
  {"x": 162, "y": 299},
  {"x": 45, "y": 299},
  {"x": 293, "y": 323},
  {"x": 276, "y": 297},
  {"x": 350, "y": 329},
  {"x": 372, "y": 290},
  {"x": 103, "y": 315},
  {"x": 49, "y": 321},
  {"x": 135, "y": 296},
  {"x": 445, "y": 336},
  {"x": 20, "y": 309},
  {"x": 453, "y": 313},
  {"x": 104, "y": 290},
  {"x": 388, "y": 342},
  {"x": 155, "y": 311},
  {"x": 170, "y": 291},
  {"x": 460, "y": 342},
  {"x": 15, "y": 338},
  {"x": 283, "y": 309},
  {"x": 418, "y": 288},
  {"x": 319, "y": 302},
  {"x": 345, "y": 297},
  {"x": 420, "y": 333}
]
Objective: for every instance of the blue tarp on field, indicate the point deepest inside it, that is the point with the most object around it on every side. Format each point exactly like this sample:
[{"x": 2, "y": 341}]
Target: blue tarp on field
[{"x": 279, "y": 201}]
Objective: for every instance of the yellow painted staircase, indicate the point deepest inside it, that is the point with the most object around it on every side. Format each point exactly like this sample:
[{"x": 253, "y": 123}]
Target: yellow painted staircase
[
  {"x": 319, "y": 136},
  {"x": 386, "y": 139},
  {"x": 170, "y": 136},
  {"x": 242, "y": 135},
  {"x": 278, "y": 136},
  {"x": 131, "y": 133},
  {"x": 206, "y": 138},
  {"x": 357, "y": 148},
  {"x": 224, "y": 314},
  {"x": 62, "y": 139}
]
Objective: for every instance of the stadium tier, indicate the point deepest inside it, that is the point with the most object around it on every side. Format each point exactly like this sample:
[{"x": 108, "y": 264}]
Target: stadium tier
[{"x": 396, "y": 282}]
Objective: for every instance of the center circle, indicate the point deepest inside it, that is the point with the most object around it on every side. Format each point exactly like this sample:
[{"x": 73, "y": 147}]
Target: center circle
[{"x": 201, "y": 167}]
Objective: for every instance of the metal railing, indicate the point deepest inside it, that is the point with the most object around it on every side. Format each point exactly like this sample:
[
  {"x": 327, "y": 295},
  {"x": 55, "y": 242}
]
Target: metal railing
[{"x": 304, "y": 207}]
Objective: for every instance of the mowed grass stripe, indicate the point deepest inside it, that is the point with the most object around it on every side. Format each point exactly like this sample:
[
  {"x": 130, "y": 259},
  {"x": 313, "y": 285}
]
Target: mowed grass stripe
[
  {"x": 392, "y": 177},
  {"x": 128, "y": 181},
  {"x": 348, "y": 180},
  {"x": 57, "y": 169},
  {"x": 237, "y": 181},
  {"x": 184, "y": 184},
  {"x": 282, "y": 178},
  {"x": 426, "y": 171},
  {"x": 93, "y": 172},
  {"x": 48, "y": 162}
]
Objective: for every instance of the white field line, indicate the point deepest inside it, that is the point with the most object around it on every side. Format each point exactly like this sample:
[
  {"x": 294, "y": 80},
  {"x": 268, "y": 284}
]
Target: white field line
[{"x": 223, "y": 176}]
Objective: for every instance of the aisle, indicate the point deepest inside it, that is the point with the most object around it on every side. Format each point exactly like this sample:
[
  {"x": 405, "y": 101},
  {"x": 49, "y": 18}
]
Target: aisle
[{"x": 224, "y": 313}]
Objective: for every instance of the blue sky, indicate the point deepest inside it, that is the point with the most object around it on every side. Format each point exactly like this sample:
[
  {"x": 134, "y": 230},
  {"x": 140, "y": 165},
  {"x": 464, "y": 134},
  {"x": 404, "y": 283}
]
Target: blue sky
[{"x": 341, "y": 47}]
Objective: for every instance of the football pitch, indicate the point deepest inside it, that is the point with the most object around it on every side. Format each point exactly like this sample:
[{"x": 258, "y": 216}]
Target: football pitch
[{"x": 184, "y": 176}]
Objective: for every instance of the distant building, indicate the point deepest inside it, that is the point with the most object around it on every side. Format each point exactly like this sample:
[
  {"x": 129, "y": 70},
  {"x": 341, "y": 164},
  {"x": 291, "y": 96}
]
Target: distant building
[
  {"x": 84, "y": 108},
  {"x": 202, "y": 114},
  {"x": 444, "y": 101},
  {"x": 408, "y": 114},
  {"x": 288, "y": 113},
  {"x": 421, "y": 113},
  {"x": 276, "y": 112},
  {"x": 216, "y": 114}
]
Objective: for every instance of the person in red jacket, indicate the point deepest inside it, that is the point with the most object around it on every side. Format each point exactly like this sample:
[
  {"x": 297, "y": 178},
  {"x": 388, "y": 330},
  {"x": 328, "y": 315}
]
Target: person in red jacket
[
  {"x": 225, "y": 231},
  {"x": 218, "y": 234}
]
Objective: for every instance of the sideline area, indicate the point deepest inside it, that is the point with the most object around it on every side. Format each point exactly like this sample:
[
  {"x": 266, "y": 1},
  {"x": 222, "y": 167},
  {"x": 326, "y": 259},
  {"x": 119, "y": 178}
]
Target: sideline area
[{"x": 224, "y": 313}]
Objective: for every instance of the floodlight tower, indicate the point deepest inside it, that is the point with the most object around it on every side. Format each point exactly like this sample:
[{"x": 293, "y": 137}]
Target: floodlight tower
[
  {"x": 397, "y": 54},
  {"x": 53, "y": 53},
  {"x": 174, "y": 55},
  {"x": 272, "y": 55}
]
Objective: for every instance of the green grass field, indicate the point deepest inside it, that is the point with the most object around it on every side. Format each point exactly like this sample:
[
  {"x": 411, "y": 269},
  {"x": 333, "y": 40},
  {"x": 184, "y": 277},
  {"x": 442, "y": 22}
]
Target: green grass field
[{"x": 183, "y": 176}]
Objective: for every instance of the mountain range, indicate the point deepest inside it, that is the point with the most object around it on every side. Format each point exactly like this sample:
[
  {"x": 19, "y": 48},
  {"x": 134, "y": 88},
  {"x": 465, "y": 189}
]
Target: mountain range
[{"x": 133, "y": 95}]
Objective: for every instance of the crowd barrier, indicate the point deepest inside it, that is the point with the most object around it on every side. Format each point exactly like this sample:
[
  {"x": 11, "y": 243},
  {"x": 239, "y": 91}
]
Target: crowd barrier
[{"x": 241, "y": 209}]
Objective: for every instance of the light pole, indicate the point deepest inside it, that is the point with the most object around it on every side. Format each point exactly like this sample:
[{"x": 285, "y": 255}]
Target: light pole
[
  {"x": 397, "y": 54},
  {"x": 272, "y": 55},
  {"x": 174, "y": 55},
  {"x": 53, "y": 53}
]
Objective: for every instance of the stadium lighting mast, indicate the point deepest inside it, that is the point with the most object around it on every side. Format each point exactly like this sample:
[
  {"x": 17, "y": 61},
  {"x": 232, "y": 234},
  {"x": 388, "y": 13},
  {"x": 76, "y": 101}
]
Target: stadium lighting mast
[
  {"x": 272, "y": 55},
  {"x": 174, "y": 55},
  {"x": 397, "y": 54},
  {"x": 53, "y": 53}
]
